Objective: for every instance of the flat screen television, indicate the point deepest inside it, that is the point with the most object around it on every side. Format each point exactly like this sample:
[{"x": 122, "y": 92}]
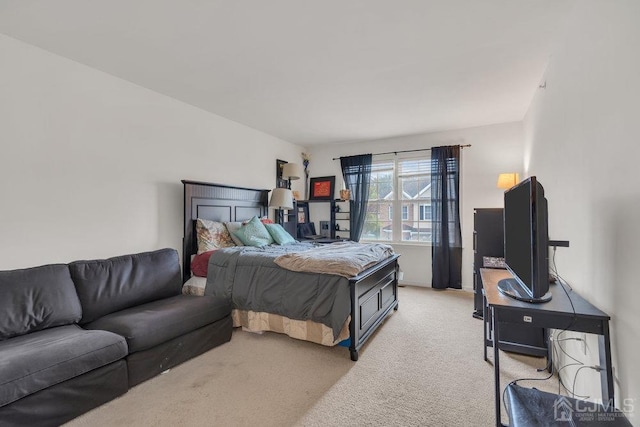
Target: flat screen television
[{"x": 526, "y": 242}]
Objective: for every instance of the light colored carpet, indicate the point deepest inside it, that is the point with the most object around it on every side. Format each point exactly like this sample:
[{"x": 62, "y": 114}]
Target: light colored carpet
[{"x": 423, "y": 367}]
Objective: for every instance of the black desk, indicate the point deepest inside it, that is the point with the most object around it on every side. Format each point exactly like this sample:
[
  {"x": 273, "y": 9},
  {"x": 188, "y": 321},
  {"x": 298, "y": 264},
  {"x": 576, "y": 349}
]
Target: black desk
[{"x": 555, "y": 314}]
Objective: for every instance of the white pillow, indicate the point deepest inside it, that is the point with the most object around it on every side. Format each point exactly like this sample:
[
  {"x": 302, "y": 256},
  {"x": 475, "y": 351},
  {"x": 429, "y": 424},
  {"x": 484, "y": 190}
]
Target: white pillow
[{"x": 234, "y": 226}]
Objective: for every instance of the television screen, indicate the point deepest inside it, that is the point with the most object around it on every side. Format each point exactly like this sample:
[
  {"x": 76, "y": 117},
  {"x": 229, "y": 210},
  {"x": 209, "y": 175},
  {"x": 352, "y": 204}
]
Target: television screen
[{"x": 526, "y": 242}]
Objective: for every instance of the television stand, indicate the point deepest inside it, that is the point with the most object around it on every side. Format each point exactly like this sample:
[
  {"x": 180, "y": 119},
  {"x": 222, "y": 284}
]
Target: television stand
[
  {"x": 567, "y": 310},
  {"x": 514, "y": 289}
]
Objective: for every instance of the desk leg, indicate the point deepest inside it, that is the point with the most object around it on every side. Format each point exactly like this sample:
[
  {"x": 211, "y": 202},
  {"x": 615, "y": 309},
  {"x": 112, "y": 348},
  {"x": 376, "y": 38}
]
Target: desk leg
[
  {"x": 496, "y": 364},
  {"x": 606, "y": 375},
  {"x": 547, "y": 335},
  {"x": 485, "y": 324}
]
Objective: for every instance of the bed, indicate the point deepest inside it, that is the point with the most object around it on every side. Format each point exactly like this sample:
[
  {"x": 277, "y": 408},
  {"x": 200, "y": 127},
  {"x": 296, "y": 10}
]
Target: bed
[{"x": 368, "y": 297}]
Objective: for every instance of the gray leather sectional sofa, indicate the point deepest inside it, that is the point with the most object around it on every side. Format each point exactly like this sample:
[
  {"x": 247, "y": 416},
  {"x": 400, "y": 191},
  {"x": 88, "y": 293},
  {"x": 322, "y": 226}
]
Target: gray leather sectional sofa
[{"x": 74, "y": 336}]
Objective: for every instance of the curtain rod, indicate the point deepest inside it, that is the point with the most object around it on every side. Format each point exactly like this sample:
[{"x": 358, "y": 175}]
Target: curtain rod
[{"x": 407, "y": 151}]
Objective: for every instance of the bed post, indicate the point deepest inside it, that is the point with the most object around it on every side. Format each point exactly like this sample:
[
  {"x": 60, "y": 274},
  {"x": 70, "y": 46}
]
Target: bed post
[{"x": 355, "y": 320}]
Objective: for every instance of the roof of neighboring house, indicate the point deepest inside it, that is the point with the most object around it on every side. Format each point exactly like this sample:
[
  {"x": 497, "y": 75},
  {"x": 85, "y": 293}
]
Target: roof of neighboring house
[{"x": 411, "y": 191}]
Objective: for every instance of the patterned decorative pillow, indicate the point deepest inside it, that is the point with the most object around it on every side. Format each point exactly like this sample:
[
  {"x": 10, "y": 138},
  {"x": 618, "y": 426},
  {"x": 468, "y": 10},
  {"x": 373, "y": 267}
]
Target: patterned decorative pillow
[
  {"x": 279, "y": 234},
  {"x": 254, "y": 233},
  {"x": 212, "y": 235},
  {"x": 233, "y": 227}
]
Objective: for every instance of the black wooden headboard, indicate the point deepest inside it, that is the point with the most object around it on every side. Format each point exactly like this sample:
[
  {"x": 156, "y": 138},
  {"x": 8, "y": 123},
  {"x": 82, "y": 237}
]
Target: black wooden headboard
[{"x": 216, "y": 202}]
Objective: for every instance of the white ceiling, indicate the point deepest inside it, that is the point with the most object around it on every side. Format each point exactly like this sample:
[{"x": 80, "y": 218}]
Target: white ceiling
[{"x": 313, "y": 71}]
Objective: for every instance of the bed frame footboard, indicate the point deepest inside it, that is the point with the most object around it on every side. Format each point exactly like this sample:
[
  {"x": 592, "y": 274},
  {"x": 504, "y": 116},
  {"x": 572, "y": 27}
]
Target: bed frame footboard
[{"x": 374, "y": 293}]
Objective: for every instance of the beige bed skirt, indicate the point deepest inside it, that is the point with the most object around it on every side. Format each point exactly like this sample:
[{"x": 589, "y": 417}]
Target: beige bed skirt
[
  {"x": 300, "y": 329},
  {"x": 254, "y": 321}
]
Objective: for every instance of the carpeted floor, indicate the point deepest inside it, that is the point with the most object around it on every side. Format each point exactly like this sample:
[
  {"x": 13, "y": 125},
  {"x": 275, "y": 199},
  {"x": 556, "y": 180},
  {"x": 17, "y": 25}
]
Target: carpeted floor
[{"x": 423, "y": 367}]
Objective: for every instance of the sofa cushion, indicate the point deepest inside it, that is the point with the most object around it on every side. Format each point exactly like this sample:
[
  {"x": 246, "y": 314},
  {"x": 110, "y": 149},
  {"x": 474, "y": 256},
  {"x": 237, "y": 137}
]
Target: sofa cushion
[
  {"x": 33, "y": 362},
  {"x": 154, "y": 323},
  {"x": 114, "y": 284},
  {"x": 55, "y": 405},
  {"x": 36, "y": 298}
]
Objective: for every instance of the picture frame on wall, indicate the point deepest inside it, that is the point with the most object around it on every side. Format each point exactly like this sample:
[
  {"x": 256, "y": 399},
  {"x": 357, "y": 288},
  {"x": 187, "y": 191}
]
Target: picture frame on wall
[
  {"x": 280, "y": 182},
  {"x": 322, "y": 188},
  {"x": 303, "y": 213}
]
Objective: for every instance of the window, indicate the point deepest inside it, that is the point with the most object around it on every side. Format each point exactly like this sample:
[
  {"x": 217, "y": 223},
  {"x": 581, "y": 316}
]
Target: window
[
  {"x": 405, "y": 212},
  {"x": 399, "y": 207},
  {"x": 425, "y": 212},
  {"x": 378, "y": 222}
]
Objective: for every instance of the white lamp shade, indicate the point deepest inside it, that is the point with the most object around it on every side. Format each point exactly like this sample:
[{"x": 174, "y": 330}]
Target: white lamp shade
[
  {"x": 291, "y": 171},
  {"x": 508, "y": 180},
  {"x": 281, "y": 198}
]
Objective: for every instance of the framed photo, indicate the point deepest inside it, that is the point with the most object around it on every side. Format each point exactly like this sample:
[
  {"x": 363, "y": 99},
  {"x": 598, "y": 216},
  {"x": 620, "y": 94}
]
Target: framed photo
[
  {"x": 322, "y": 188},
  {"x": 303, "y": 213},
  {"x": 280, "y": 182}
]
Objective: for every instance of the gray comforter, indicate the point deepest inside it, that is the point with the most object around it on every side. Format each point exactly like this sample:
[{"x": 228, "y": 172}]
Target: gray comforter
[
  {"x": 250, "y": 278},
  {"x": 346, "y": 259}
]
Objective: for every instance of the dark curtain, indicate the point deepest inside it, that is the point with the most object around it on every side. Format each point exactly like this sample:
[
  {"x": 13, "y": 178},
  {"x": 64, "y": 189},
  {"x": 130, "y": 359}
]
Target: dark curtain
[
  {"x": 356, "y": 171},
  {"x": 445, "y": 216}
]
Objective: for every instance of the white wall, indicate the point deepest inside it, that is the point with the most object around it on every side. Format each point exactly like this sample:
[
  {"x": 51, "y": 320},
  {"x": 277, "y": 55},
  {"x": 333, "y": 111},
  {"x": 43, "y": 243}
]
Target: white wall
[
  {"x": 582, "y": 139},
  {"x": 90, "y": 164},
  {"x": 495, "y": 149}
]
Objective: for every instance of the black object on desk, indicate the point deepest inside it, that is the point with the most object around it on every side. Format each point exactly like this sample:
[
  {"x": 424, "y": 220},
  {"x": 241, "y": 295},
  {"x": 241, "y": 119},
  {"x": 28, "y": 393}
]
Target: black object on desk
[{"x": 565, "y": 311}]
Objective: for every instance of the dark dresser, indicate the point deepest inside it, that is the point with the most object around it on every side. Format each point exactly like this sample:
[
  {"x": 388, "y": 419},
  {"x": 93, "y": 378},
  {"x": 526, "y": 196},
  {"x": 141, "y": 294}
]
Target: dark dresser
[{"x": 488, "y": 241}]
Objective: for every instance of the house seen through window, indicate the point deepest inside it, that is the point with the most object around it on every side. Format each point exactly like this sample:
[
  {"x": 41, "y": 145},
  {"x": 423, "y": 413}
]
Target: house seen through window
[
  {"x": 399, "y": 207},
  {"x": 425, "y": 212},
  {"x": 405, "y": 212}
]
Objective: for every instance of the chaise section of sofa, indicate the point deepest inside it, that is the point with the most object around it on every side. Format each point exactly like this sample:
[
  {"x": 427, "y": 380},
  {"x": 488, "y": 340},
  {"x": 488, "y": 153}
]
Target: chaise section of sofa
[
  {"x": 51, "y": 370},
  {"x": 139, "y": 297}
]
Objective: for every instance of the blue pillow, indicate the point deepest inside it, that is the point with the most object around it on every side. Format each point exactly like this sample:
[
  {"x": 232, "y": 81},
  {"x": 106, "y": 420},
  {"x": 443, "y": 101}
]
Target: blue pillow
[
  {"x": 279, "y": 234},
  {"x": 254, "y": 233}
]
